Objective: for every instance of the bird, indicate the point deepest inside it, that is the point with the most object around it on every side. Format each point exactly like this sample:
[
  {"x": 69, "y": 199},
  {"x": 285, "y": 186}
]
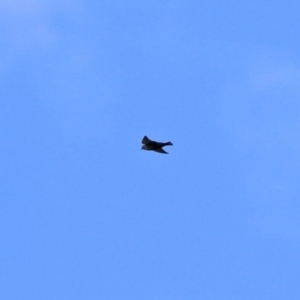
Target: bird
[{"x": 155, "y": 146}]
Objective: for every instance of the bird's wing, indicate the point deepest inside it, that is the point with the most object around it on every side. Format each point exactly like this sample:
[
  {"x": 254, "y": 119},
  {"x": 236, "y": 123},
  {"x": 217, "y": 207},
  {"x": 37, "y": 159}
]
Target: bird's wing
[
  {"x": 146, "y": 140},
  {"x": 161, "y": 150}
]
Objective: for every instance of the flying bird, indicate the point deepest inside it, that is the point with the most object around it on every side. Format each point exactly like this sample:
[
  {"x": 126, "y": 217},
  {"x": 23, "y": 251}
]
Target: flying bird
[{"x": 155, "y": 146}]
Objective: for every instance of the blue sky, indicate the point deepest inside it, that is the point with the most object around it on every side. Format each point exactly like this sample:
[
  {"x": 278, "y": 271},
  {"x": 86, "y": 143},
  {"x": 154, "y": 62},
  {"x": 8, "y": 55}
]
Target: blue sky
[{"x": 86, "y": 214}]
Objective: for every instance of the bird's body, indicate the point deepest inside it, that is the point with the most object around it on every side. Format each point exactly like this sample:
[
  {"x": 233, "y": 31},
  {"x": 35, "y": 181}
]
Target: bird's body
[{"x": 155, "y": 146}]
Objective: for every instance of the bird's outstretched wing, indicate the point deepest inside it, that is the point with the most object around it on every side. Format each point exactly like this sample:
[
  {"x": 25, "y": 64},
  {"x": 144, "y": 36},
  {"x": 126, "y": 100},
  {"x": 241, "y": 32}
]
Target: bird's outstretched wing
[
  {"x": 161, "y": 150},
  {"x": 146, "y": 140}
]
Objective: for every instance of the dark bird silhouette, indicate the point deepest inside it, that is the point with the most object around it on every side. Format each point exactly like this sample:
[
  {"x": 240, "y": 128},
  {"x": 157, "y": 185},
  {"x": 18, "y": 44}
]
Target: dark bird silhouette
[{"x": 155, "y": 146}]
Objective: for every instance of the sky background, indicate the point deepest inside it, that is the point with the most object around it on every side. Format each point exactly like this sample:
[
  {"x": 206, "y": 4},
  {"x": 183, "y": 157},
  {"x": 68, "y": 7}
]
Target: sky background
[{"x": 86, "y": 214}]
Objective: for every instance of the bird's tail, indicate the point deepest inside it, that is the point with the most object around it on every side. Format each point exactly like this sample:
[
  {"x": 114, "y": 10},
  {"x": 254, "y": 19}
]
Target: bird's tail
[{"x": 169, "y": 144}]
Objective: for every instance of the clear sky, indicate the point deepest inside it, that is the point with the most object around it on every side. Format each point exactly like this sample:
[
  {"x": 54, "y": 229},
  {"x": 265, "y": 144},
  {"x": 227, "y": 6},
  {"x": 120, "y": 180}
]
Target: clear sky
[{"x": 86, "y": 214}]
